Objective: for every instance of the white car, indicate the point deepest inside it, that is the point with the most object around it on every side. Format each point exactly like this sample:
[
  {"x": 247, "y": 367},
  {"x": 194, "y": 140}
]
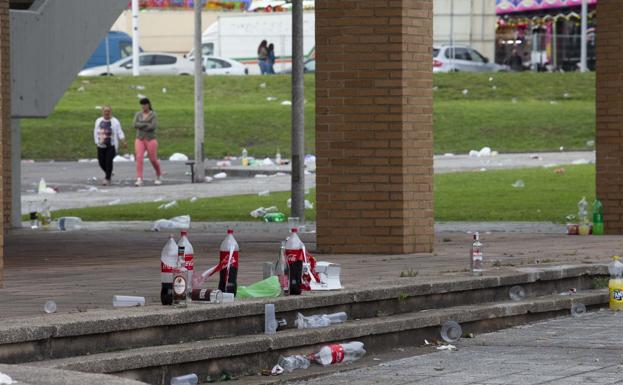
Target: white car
[
  {"x": 214, "y": 65},
  {"x": 457, "y": 58},
  {"x": 150, "y": 63}
]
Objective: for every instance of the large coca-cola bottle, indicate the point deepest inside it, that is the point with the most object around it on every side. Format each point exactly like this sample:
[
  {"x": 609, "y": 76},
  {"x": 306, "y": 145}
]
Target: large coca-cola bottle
[
  {"x": 189, "y": 257},
  {"x": 296, "y": 257},
  {"x": 228, "y": 255},
  {"x": 168, "y": 260}
]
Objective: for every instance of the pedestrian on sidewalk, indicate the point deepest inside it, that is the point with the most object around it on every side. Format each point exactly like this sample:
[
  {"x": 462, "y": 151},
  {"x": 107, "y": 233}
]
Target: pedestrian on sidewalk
[
  {"x": 271, "y": 59},
  {"x": 262, "y": 57},
  {"x": 107, "y": 134},
  {"x": 145, "y": 122}
]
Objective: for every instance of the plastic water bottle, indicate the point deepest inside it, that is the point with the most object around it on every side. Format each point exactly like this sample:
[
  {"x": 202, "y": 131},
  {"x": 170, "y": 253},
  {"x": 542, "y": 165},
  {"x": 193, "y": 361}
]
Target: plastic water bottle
[
  {"x": 69, "y": 223},
  {"x": 338, "y": 353},
  {"x": 245, "y": 157},
  {"x": 229, "y": 254},
  {"x": 189, "y": 257},
  {"x": 584, "y": 227},
  {"x": 615, "y": 285},
  {"x": 278, "y": 158},
  {"x": 270, "y": 322},
  {"x": 293, "y": 362},
  {"x": 168, "y": 260},
  {"x": 188, "y": 379},
  {"x": 45, "y": 214},
  {"x": 476, "y": 257},
  {"x": 282, "y": 270},
  {"x": 318, "y": 321},
  {"x": 294, "y": 254},
  {"x": 598, "y": 218}
]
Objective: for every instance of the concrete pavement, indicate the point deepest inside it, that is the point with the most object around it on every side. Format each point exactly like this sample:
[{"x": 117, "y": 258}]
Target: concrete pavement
[{"x": 564, "y": 351}]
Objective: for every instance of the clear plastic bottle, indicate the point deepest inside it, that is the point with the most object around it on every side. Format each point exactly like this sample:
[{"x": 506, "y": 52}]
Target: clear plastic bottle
[
  {"x": 228, "y": 255},
  {"x": 295, "y": 256},
  {"x": 168, "y": 261},
  {"x": 69, "y": 223},
  {"x": 282, "y": 270},
  {"x": 476, "y": 256},
  {"x": 278, "y": 158},
  {"x": 584, "y": 227},
  {"x": 293, "y": 362},
  {"x": 245, "y": 157},
  {"x": 319, "y": 321},
  {"x": 615, "y": 285},
  {"x": 45, "y": 215},
  {"x": 189, "y": 257},
  {"x": 337, "y": 353},
  {"x": 188, "y": 379}
]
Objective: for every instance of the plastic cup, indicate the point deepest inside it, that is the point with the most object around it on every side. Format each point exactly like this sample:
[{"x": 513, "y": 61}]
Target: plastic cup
[
  {"x": 50, "y": 307},
  {"x": 517, "y": 293},
  {"x": 578, "y": 309},
  {"x": 451, "y": 331}
]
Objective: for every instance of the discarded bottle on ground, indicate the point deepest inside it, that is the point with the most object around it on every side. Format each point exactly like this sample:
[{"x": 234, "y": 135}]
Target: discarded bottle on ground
[
  {"x": 615, "y": 285},
  {"x": 337, "y": 353},
  {"x": 282, "y": 270},
  {"x": 180, "y": 280},
  {"x": 319, "y": 321},
  {"x": 598, "y": 218},
  {"x": 229, "y": 254},
  {"x": 293, "y": 362},
  {"x": 451, "y": 331},
  {"x": 188, "y": 379},
  {"x": 127, "y": 301},
  {"x": 189, "y": 257},
  {"x": 69, "y": 223},
  {"x": 294, "y": 254},
  {"x": 275, "y": 217},
  {"x": 476, "y": 257},
  {"x": 45, "y": 217},
  {"x": 168, "y": 260}
]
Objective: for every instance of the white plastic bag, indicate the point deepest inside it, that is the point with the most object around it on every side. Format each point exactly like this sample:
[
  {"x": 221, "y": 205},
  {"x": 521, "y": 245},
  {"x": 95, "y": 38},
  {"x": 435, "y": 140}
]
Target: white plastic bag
[{"x": 182, "y": 222}]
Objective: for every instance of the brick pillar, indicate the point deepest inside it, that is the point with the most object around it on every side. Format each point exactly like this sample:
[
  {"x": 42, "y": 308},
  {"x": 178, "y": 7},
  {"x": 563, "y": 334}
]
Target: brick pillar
[
  {"x": 609, "y": 141},
  {"x": 374, "y": 134},
  {"x": 5, "y": 127}
]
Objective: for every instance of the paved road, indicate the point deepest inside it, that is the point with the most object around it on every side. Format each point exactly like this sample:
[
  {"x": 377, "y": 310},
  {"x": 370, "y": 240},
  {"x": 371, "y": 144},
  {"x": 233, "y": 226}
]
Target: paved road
[{"x": 563, "y": 351}]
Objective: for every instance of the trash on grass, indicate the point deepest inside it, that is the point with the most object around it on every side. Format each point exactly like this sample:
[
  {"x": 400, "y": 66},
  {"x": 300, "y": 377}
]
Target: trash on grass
[
  {"x": 519, "y": 184},
  {"x": 193, "y": 199},
  {"x": 286, "y": 103},
  {"x": 182, "y": 222},
  {"x": 271, "y": 98},
  {"x": 261, "y": 211},
  {"x": 127, "y": 301},
  {"x": 164, "y": 90},
  {"x": 266, "y": 288},
  {"x": 559, "y": 170},
  {"x": 168, "y": 205},
  {"x": 263, "y": 85},
  {"x": 465, "y": 91},
  {"x": 140, "y": 96},
  {"x": 220, "y": 175},
  {"x": 178, "y": 157},
  {"x": 50, "y": 307},
  {"x": 590, "y": 143},
  {"x": 267, "y": 162},
  {"x": 263, "y": 193},
  {"x": 275, "y": 217}
]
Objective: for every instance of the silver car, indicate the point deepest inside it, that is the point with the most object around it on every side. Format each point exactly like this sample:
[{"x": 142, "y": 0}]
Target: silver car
[{"x": 456, "y": 58}]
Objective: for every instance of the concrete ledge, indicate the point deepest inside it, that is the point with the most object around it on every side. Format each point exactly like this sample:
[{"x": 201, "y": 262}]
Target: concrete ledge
[{"x": 28, "y": 375}]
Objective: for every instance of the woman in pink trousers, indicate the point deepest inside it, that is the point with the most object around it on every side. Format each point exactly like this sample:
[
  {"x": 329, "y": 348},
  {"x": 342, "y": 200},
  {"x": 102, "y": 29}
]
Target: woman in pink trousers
[{"x": 145, "y": 122}]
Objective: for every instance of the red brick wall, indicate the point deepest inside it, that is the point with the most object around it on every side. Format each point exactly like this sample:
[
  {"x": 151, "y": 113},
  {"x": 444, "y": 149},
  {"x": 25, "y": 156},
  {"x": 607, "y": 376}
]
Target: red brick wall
[
  {"x": 609, "y": 133},
  {"x": 5, "y": 127},
  {"x": 374, "y": 135}
]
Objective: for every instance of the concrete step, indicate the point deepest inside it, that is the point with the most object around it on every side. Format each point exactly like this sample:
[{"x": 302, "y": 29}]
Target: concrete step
[
  {"x": 247, "y": 354},
  {"x": 93, "y": 332}
]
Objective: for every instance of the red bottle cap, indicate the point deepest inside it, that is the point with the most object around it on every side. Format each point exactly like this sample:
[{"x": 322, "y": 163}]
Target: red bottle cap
[
  {"x": 295, "y": 230},
  {"x": 184, "y": 233},
  {"x": 230, "y": 231}
]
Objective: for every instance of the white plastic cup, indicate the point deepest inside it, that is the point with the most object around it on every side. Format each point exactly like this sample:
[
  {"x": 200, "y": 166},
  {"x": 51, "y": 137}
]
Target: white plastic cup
[
  {"x": 578, "y": 309},
  {"x": 270, "y": 322},
  {"x": 127, "y": 301},
  {"x": 451, "y": 331},
  {"x": 49, "y": 307},
  {"x": 187, "y": 379},
  {"x": 517, "y": 293}
]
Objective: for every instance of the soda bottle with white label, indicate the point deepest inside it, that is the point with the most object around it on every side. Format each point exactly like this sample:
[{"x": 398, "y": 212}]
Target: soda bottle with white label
[
  {"x": 338, "y": 353},
  {"x": 295, "y": 255},
  {"x": 476, "y": 262},
  {"x": 168, "y": 261},
  {"x": 189, "y": 257},
  {"x": 180, "y": 280},
  {"x": 229, "y": 254}
]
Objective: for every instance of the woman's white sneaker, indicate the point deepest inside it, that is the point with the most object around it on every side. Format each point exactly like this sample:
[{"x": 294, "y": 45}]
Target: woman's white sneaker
[
  {"x": 139, "y": 182},
  {"x": 158, "y": 181}
]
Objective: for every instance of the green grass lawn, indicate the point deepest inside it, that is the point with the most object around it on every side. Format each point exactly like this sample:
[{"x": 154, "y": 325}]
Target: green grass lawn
[
  {"x": 238, "y": 114},
  {"x": 472, "y": 196}
]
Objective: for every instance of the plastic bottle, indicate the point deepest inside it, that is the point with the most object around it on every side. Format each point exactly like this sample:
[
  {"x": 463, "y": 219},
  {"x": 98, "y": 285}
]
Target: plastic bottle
[
  {"x": 476, "y": 257},
  {"x": 188, "y": 379},
  {"x": 245, "y": 157},
  {"x": 295, "y": 256},
  {"x": 293, "y": 362},
  {"x": 274, "y": 217},
  {"x": 318, "y": 321},
  {"x": 598, "y": 218},
  {"x": 282, "y": 270},
  {"x": 168, "y": 259},
  {"x": 337, "y": 353},
  {"x": 229, "y": 254},
  {"x": 189, "y": 257},
  {"x": 34, "y": 219},
  {"x": 615, "y": 285},
  {"x": 278, "y": 158},
  {"x": 584, "y": 227},
  {"x": 45, "y": 217},
  {"x": 69, "y": 223}
]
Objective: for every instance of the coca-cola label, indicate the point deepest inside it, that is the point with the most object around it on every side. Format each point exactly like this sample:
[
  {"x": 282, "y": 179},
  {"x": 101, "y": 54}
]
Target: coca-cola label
[
  {"x": 189, "y": 262},
  {"x": 337, "y": 353},
  {"x": 164, "y": 268},
  {"x": 224, "y": 256},
  {"x": 295, "y": 255},
  {"x": 179, "y": 285}
]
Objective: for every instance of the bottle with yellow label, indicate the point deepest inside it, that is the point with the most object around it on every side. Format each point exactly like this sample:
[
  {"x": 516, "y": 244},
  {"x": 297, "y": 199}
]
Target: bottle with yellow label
[{"x": 615, "y": 285}]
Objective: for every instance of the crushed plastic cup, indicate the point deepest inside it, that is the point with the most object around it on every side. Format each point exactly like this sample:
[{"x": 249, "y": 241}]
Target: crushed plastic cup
[
  {"x": 127, "y": 301},
  {"x": 50, "y": 307},
  {"x": 578, "y": 309},
  {"x": 517, "y": 293},
  {"x": 519, "y": 184},
  {"x": 451, "y": 331},
  {"x": 187, "y": 379}
]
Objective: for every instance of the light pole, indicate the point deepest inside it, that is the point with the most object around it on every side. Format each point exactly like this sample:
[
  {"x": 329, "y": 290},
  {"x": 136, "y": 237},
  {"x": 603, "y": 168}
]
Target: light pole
[
  {"x": 135, "y": 37},
  {"x": 583, "y": 53},
  {"x": 298, "y": 113},
  {"x": 199, "y": 127}
]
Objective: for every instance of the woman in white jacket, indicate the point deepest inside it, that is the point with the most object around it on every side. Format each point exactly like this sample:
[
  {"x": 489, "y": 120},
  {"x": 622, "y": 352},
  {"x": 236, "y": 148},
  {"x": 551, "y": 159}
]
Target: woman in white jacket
[{"x": 107, "y": 134}]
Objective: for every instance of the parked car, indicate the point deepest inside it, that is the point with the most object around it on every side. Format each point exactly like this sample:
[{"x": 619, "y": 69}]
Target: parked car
[
  {"x": 214, "y": 65},
  {"x": 456, "y": 58},
  {"x": 308, "y": 67},
  {"x": 151, "y": 63},
  {"x": 119, "y": 47}
]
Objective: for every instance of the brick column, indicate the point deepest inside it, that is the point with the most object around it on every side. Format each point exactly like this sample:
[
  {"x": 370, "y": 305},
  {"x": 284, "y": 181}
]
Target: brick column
[
  {"x": 374, "y": 134},
  {"x": 5, "y": 127},
  {"x": 609, "y": 141}
]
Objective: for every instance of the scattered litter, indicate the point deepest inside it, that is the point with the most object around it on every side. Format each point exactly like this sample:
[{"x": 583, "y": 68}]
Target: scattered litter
[
  {"x": 263, "y": 85},
  {"x": 376, "y": 359},
  {"x": 140, "y": 88},
  {"x": 267, "y": 162},
  {"x": 268, "y": 287},
  {"x": 580, "y": 161},
  {"x": 519, "y": 184},
  {"x": 448, "y": 154},
  {"x": 319, "y": 321},
  {"x": 562, "y": 148},
  {"x": 187, "y": 379},
  {"x": 465, "y": 91},
  {"x": 69, "y": 223},
  {"x": 141, "y": 96},
  {"x": 307, "y": 172},
  {"x": 178, "y": 157},
  {"x": 168, "y": 205},
  {"x": 566, "y": 95},
  {"x": 85, "y": 82},
  {"x": 127, "y": 301},
  {"x": 271, "y": 98},
  {"x": 553, "y": 102},
  {"x": 6, "y": 380},
  {"x": 559, "y": 170},
  {"x": 44, "y": 189},
  {"x": 90, "y": 189},
  {"x": 159, "y": 199},
  {"x": 517, "y": 293},
  {"x": 270, "y": 322},
  {"x": 308, "y": 204},
  {"x": 491, "y": 79},
  {"x": 181, "y": 222},
  {"x": 578, "y": 309},
  {"x": 473, "y": 154},
  {"x": 209, "y": 179},
  {"x": 448, "y": 347},
  {"x": 483, "y": 169},
  {"x": 263, "y": 193},
  {"x": 261, "y": 211},
  {"x": 352, "y": 351},
  {"x": 114, "y": 202},
  {"x": 260, "y": 176},
  {"x": 280, "y": 174},
  {"x": 81, "y": 89},
  {"x": 435, "y": 88},
  {"x": 286, "y": 103},
  {"x": 292, "y": 362},
  {"x": 485, "y": 151},
  {"x": 439, "y": 369},
  {"x": 223, "y": 163},
  {"x": 50, "y": 307},
  {"x": 164, "y": 90},
  {"x": 570, "y": 291},
  {"x": 494, "y": 88},
  {"x": 98, "y": 107},
  {"x": 193, "y": 199},
  {"x": 220, "y": 175},
  {"x": 451, "y": 331},
  {"x": 426, "y": 342},
  {"x": 276, "y": 370},
  {"x": 590, "y": 143}
]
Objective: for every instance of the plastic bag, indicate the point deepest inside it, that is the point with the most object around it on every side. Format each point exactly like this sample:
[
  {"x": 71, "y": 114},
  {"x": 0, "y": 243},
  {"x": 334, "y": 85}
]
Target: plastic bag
[
  {"x": 181, "y": 222},
  {"x": 267, "y": 288}
]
